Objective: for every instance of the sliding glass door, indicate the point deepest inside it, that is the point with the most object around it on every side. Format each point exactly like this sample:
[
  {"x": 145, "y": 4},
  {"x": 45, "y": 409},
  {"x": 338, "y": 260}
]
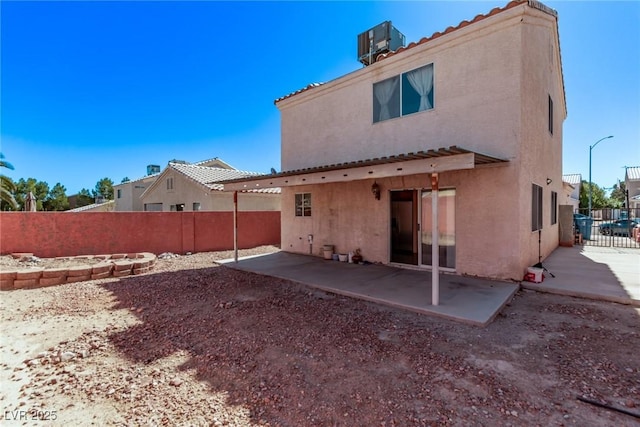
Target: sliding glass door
[{"x": 446, "y": 227}]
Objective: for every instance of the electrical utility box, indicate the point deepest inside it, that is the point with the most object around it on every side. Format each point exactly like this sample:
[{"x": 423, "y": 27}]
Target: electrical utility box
[{"x": 382, "y": 38}]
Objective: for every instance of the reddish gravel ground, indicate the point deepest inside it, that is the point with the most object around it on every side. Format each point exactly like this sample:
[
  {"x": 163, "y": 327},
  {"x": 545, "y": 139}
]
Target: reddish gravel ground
[{"x": 196, "y": 344}]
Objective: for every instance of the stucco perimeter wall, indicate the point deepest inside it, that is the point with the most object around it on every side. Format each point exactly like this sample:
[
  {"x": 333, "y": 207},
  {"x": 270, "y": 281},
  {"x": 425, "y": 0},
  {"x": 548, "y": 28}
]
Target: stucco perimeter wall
[
  {"x": 51, "y": 234},
  {"x": 347, "y": 216}
]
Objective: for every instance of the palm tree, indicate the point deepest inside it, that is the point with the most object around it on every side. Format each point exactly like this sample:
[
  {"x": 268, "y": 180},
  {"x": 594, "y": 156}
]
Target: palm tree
[{"x": 7, "y": 187}]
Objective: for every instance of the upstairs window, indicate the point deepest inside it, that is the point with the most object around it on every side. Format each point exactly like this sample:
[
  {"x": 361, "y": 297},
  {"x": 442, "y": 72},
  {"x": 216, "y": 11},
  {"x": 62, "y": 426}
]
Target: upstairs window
[
  {"x": 405, "y": 94},
  {"x": 169, "y": 183},
  {"x": 119, "y": 193},
  {"x": 303, "y": 204}
]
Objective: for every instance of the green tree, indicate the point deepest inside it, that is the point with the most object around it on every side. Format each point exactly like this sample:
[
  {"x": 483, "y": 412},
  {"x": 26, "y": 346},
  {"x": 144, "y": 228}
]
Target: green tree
[
  {"x": 40, "y": 189},
  {"x": 618, "y": 197},
  {"x": 125, "y": 179},
  {"x": 598, "y": 196},
  {"x": 7, "y": 188},
  {"x": 57, "y": 199},
  {"x": 104, "y": 188},
  {"x": 84, "y": 198}
]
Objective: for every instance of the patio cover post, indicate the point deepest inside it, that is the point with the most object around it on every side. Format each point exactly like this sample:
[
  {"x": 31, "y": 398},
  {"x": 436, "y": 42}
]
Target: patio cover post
[
  {"x": 235, "y": 226},
  {"x": 435, "y": 250}
]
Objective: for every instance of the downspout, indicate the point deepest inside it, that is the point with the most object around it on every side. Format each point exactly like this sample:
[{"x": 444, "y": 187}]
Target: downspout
[
  {"x": 235, "y": 226},
  {"x": 435, "y": 250}
]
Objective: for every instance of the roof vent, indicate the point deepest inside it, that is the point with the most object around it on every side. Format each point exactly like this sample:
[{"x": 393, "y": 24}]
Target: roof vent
[{"x": 382, "y": 38}]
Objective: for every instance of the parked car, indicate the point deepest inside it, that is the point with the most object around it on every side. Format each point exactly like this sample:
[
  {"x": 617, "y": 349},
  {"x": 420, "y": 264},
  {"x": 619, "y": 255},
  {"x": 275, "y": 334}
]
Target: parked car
[{"x": 621, "y": 227}]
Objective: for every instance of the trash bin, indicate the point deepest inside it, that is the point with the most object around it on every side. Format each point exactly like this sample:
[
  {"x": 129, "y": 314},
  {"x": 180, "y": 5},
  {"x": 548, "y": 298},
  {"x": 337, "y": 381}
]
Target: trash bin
[
  {"x": 584, "y": 227},
  {"x": 327, "y": 251}
]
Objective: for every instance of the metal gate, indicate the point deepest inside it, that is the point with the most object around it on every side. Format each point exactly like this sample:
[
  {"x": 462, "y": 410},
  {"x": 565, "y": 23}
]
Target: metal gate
[{"x": 608, "y": 227}]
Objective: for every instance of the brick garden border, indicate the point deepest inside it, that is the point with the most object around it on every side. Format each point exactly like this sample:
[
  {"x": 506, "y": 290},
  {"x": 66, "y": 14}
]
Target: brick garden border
[{"x": 116, "y": 265}]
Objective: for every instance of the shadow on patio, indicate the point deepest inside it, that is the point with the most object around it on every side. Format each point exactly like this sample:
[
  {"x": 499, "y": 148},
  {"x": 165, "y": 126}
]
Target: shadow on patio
[{"x": 466, "y": 299}]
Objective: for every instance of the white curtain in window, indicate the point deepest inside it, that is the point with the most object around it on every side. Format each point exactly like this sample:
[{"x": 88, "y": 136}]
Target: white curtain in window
[
  {"x": 421, "y": 81},
  {"x": 384, "y": 92}
]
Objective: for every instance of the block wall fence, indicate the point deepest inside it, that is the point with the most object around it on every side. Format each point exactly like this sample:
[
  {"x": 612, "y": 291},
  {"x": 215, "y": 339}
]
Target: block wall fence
[{"x": 56, "y": 234}]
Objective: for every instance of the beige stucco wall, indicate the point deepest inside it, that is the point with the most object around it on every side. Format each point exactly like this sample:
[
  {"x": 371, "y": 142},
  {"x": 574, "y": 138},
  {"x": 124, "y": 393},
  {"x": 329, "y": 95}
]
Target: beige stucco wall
[
  {"x": 492, "y": 80},
  {"x": 188, "y": 192},
  {"x": 476, "y": 86},
  {"x": 540, "y": 156},
  {"x": 348, "y": 216},
  {"x": 130, "y": 193}
]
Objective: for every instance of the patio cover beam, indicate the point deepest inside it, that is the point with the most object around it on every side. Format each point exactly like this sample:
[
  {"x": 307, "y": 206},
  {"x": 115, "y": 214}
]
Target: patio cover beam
[
  {"x": 409, "y": 167},
  {"x": 421, "y": 162}
]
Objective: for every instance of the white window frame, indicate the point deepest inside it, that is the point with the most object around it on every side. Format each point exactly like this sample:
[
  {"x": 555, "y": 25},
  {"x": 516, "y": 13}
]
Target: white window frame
[
  {"x": 302, "y": 202},
  {"x": 397, "y": 95}
]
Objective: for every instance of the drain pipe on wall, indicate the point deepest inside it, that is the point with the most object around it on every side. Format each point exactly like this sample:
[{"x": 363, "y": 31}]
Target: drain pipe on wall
[{"x": 435, "y": 250}]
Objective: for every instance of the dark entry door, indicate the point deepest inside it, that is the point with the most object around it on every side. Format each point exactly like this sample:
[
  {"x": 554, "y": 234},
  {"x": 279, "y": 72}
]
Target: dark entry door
[{"x": 404, "y": 226}]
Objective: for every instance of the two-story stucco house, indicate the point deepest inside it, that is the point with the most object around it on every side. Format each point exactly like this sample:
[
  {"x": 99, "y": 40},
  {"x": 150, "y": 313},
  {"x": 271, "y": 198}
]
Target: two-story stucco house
[
  {"x": 127, "y": 194},
  {"x": 449, "y": 148}
]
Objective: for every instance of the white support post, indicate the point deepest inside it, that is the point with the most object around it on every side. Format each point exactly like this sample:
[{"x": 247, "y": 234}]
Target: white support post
[
  {"x": 235, "y": 226},
  {"x": 435, "y": 249}
]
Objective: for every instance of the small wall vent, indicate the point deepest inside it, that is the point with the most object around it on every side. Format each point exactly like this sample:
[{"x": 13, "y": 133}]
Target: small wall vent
[{"x": 382, "y": 38}]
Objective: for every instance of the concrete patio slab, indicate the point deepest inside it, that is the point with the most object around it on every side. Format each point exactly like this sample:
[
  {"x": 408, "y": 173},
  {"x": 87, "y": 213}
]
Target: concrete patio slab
[
  {"x": 602, "y": 273},
  {"x": 470, "y": 300}
]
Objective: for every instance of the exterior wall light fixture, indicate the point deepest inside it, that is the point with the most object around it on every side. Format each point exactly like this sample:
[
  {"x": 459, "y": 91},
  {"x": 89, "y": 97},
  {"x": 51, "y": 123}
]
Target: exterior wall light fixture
[
  {"x": 375, "y": 189},
  {"x": 549, "y": 181}
]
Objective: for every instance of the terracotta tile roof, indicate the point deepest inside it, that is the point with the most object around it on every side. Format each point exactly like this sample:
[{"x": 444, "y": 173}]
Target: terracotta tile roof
[
  {"x": 304, "y": 89},
  {"x": 210, "y": 177},
  {"x": 633, "y": 173},
  {"x": 572, "y": 179},
  {"x": 93, "y": 206},
  {"x": 480, "y": 17},
  {"x": 214, "y": 160},
  {"x": 463, "y": 24},
  {"x": 131, "y": 181}
]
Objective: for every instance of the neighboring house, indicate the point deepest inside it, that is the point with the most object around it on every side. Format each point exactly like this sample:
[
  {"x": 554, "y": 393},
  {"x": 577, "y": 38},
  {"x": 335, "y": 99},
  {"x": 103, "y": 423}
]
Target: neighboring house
[
  {"x": 104, "y": 206},
  {"x": 127, "y": 194},
  {"x": 571, "y": 190},
  {"x": 455, "y": 139},
  {"x": 186, "y": 186},
  {"x": 632, "y": 184}
]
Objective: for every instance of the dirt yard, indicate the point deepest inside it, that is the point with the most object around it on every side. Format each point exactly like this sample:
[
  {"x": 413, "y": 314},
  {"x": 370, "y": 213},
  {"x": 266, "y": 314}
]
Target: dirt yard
[{"x": 196, "y": 344}]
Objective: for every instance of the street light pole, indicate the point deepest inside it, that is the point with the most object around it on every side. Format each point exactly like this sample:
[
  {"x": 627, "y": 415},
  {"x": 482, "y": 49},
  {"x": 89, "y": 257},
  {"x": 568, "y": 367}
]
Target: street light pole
[{"x": 591, "y": 147}]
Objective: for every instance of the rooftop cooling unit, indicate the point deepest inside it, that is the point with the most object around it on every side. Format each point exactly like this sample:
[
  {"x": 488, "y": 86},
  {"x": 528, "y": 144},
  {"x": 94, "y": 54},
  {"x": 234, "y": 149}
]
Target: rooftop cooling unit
[
  {"x": 151, "y": 169},
  {"x": 382, "y": 38}
]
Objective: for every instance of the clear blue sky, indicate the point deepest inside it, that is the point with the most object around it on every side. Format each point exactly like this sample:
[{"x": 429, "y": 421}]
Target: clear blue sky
[{"x": 102, "y": 89}]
